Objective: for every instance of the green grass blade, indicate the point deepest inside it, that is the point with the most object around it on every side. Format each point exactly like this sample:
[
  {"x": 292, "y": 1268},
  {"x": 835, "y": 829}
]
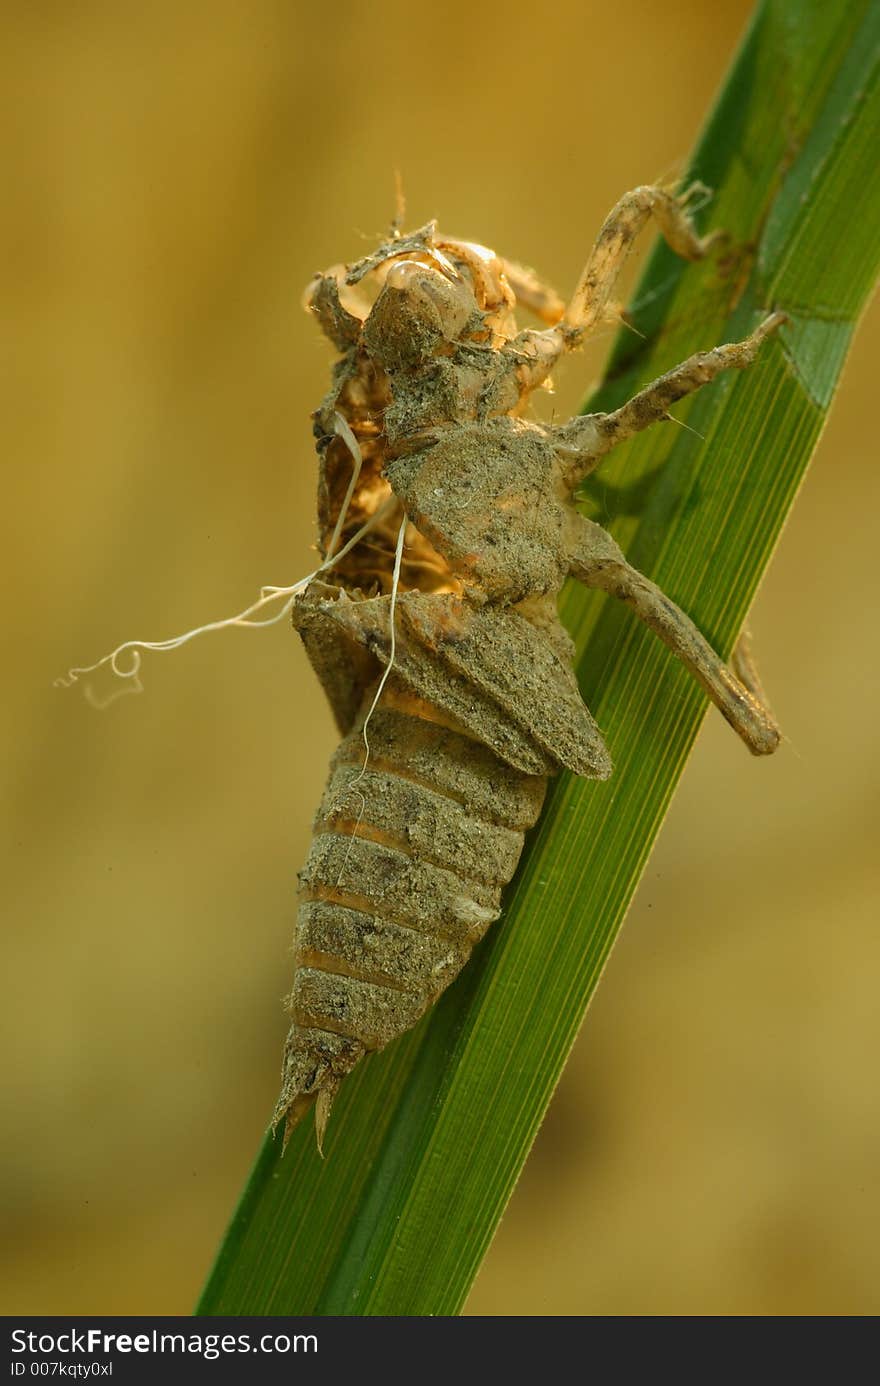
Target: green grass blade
[{"x": 427, "y": 1139}]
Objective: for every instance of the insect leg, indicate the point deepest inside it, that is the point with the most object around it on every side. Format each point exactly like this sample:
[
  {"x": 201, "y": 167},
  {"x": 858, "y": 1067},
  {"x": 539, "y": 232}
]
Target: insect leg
[
  {"x": 598, "y": 562},
  {"x": 584, "y": 441},
  {"x": 591, "y": 297},
  {"x": 539, "y": 352}
]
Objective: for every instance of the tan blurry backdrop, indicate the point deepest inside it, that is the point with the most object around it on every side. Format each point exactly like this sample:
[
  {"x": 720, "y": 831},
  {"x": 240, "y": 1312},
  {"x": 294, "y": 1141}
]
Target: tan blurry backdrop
[{"x": 174, "y": 174}]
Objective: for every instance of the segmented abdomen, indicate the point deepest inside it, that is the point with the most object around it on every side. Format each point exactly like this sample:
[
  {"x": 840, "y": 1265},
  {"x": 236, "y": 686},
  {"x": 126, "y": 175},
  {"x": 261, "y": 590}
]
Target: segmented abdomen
[{"x": 404, "y": 876}]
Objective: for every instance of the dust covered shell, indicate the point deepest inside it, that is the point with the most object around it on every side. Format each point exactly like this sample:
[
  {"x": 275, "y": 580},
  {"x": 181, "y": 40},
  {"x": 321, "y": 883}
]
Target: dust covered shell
[{"x": 447, "y": 528}]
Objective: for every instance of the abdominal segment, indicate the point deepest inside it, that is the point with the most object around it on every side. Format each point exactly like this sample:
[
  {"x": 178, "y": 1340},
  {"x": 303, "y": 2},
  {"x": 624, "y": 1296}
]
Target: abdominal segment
[{"x": 408, "y": 860}]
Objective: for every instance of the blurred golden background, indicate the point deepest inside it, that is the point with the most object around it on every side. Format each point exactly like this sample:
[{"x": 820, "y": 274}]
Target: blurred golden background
[{"x": 174, "y": 174}]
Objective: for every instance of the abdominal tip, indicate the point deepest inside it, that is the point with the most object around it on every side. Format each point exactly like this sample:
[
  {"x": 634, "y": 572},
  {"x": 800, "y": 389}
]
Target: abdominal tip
[
  {"x": 292, "y": 1112},
  {"x": 322, "y": 1111}
]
